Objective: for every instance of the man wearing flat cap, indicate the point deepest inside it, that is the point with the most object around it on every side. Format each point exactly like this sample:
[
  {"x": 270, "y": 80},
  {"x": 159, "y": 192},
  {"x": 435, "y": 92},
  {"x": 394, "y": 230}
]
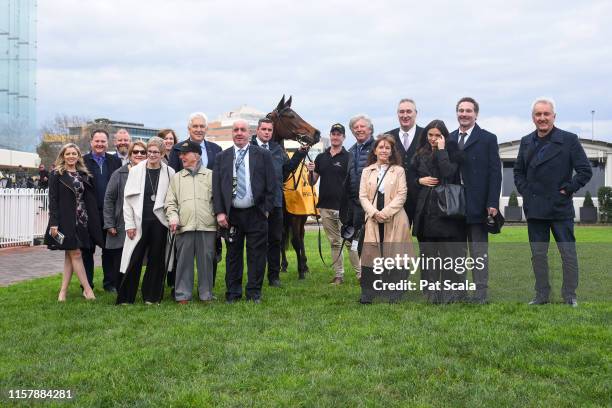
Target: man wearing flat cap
[
  {"x": 332, "y": 166},
  {"x": 189, "y": 208}
]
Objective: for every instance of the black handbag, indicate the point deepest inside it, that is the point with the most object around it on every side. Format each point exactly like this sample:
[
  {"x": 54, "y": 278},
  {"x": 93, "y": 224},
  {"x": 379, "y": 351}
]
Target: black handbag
[{"x": 451, "y": 200}]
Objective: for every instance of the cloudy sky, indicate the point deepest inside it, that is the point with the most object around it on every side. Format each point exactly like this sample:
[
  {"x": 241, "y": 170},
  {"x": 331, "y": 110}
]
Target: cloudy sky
[{"x": 156, "y": 61}]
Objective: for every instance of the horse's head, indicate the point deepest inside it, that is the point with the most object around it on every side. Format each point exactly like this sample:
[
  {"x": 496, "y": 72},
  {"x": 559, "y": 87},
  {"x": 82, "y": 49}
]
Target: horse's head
[{"x": 288, "y": 125}]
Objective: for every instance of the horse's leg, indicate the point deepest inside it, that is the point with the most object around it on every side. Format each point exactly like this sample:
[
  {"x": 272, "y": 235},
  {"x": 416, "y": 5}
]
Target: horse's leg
[
  {"x": 302, "y": 245},
  {"x": 284, "y": 262},
  {"x": 285, "y": 237},
  {"x": 297, "y": 245}
]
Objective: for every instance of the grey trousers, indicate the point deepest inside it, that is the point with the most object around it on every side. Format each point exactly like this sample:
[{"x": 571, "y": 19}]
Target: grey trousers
[
  {"x": 201, "y": 246},
  {"x": 330, "y": 219},
  {"x": 478, "y": 245}
]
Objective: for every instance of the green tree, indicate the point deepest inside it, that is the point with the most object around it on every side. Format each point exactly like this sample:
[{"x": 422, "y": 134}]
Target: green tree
[
  {"x": 513, "y": 200},
  {"x": 604, "y": 196},
  {"x": 588, "y": 200}
]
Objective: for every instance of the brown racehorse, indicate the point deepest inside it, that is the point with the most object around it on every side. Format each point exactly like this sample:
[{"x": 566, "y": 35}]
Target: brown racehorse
[{"x": 288, "y": 125}]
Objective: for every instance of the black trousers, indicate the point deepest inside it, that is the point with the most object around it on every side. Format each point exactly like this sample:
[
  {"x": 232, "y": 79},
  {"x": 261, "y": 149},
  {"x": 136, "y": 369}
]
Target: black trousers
[
  {"x": 115, "y": 261},
  {"x": 153, "y": 241},
  {"x": 539, "y": 239},
  {"x": 433, "y": 271},
  {"x": 250, "y": 225},
  {"x": 107, "y": 264},
  {"x": 275, "y": 236}
]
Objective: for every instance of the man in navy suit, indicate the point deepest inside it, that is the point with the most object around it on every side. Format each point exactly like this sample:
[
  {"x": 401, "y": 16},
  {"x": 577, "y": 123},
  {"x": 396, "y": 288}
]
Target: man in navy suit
[
  {"x": 197, "y": 128},
  {"x": 101, "y": 165},
  {"x": 544, "y": 175},
  {"x": 283, "y": 166},
  {"x": 244, "y": 187},
  {"x": 407, "y": 137},
  {"x": 482, "y": 176}
]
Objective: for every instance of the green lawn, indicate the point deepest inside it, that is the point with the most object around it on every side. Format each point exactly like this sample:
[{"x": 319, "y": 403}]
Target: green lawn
[{"x": 312, "y": 344}]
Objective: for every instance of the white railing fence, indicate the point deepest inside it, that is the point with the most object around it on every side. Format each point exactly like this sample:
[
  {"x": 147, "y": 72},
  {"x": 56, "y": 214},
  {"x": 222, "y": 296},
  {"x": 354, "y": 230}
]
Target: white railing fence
[{"x": 24, "y": 214}]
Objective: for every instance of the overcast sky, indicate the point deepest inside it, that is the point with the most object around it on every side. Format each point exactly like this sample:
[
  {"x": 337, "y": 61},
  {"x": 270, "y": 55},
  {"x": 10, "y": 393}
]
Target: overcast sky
[{"x": 156, "y": 61}]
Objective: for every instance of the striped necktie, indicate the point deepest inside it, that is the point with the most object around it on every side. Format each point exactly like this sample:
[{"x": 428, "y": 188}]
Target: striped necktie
[{"x": 240, "y": 174}]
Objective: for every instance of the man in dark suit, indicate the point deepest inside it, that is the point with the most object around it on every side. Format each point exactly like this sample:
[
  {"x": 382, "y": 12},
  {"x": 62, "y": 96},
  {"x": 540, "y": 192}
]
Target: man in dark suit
[
  {"x": 101, "y": 165},
  {"x": 407, "y": 137},
  {"x": 543, "y": 175},
  {"x": 244, "y": 185},
  {"x": 482, "y": 176},
  {"x": 197, "y": 128},
  {"x": 283, "y": 166}
]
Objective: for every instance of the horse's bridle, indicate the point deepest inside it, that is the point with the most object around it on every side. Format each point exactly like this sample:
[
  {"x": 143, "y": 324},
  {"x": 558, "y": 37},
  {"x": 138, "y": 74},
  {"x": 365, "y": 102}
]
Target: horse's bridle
[{"x": 300, "y": 138}]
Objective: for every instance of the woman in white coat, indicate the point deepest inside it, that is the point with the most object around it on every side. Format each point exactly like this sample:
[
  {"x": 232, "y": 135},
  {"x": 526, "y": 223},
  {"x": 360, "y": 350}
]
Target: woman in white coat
[{"x": 146, "y": 226}]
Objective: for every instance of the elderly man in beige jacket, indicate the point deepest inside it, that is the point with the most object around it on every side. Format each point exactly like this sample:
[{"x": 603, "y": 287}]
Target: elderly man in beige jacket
[{"x": 190, "y": 215}]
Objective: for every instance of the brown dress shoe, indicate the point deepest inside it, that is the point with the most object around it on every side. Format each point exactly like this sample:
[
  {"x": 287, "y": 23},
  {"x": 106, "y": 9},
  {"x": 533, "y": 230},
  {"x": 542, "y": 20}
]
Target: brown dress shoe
[{"x": 337, "y": 281}]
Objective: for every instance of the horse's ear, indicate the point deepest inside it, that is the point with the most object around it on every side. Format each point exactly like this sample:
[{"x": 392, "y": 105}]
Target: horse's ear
[
  {"x": 288, "y": 104},
  {"x": 281, "y": 104}
]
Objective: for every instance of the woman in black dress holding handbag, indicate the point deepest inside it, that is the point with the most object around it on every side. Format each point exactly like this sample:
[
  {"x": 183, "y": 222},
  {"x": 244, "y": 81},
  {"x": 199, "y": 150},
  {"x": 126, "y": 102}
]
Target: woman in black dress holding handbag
[
  {"x": 73, "y": 215},
  {"x": 437, "y": 161}
]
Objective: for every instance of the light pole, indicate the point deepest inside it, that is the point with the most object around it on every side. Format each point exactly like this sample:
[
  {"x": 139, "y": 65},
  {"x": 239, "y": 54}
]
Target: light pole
[{"x": 592, "y": 125}]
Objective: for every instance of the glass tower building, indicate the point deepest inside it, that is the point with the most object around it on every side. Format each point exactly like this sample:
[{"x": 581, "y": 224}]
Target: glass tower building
[{"x": 18, "y": 129}]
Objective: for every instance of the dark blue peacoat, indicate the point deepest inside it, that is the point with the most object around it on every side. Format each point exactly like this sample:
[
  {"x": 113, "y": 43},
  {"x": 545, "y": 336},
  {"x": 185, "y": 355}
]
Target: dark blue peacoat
[{"x": 540, "y": 179}]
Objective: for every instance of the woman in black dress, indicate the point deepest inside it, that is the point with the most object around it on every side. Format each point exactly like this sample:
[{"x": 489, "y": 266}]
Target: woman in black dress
[
  {"x": 73, "y": 214},
  {"x": 437, "y": 161},
  {"x": 146, "y": 226}
]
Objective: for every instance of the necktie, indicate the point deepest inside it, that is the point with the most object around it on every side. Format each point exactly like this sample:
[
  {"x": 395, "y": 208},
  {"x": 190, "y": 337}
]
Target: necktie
[
  {"x": 240, "y": 174},
  {"x": 462, "y": 140},
  {"x": 406, "y": 141},
  {"x": 265, "y": 146}
]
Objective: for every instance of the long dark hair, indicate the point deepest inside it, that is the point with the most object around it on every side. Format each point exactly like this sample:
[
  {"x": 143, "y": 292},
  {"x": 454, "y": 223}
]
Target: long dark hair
[
  {"x": 394, "y": 158},
  {"x": 424, "y": 148}
]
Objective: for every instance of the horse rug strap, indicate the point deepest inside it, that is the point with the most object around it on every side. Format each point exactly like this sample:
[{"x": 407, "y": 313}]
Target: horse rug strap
[{"x": 300, "y": 197}]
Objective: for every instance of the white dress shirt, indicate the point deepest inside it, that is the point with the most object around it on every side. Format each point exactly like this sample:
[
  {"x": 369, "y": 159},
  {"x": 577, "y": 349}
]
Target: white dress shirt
[{"x": 410, "y": 133}]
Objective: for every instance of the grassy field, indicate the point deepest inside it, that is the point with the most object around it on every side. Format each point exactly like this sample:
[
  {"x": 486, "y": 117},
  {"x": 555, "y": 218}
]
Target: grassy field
[{"x": 312, "y": 344}]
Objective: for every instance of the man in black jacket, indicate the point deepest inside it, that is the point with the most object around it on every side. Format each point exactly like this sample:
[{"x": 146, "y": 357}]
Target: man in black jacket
[
  {"x": 243, "y": 197},
  {"x": 351, "y": 213},
  {"x": 283, "y": 166},
  {"x": 407, "y": 137},
  {"x": 101, "y": 165},
  {"x": 543, "y": 174}
]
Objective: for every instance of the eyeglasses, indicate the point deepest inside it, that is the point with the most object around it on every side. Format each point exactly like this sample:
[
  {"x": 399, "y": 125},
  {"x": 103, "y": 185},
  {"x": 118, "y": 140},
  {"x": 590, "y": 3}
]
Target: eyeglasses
[
  {"x": 154, "y": 152},
  {"x": 140, "y": 152}
]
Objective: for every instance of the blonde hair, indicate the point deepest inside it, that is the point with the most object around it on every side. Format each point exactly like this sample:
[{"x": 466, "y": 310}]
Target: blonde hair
[{"x": 60, "y": 163}]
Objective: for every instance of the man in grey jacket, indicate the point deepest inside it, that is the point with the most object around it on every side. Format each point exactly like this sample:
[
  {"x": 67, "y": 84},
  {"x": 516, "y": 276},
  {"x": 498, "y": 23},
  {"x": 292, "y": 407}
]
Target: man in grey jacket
[{"x": 190, "y": 214}]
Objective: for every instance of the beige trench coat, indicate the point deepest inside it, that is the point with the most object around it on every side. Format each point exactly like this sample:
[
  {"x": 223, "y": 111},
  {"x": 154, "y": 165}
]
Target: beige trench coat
[{"x": 397, "y": 230}]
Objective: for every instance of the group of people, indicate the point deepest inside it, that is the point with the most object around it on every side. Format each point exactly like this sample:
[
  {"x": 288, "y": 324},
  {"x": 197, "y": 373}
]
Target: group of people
[{"x": 137, "y": 203}]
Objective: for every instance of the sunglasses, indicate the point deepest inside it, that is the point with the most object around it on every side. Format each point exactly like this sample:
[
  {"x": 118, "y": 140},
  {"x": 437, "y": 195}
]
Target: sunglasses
[{"x": 141, "y": 152}]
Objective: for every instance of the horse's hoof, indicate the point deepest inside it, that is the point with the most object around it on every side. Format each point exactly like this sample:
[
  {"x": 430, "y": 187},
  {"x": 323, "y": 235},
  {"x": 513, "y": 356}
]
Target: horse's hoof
[{"x": 301, "y": 276}]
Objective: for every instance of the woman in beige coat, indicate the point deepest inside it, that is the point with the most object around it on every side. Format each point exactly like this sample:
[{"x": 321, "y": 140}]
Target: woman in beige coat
[{"x": 382, "y": 194}]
